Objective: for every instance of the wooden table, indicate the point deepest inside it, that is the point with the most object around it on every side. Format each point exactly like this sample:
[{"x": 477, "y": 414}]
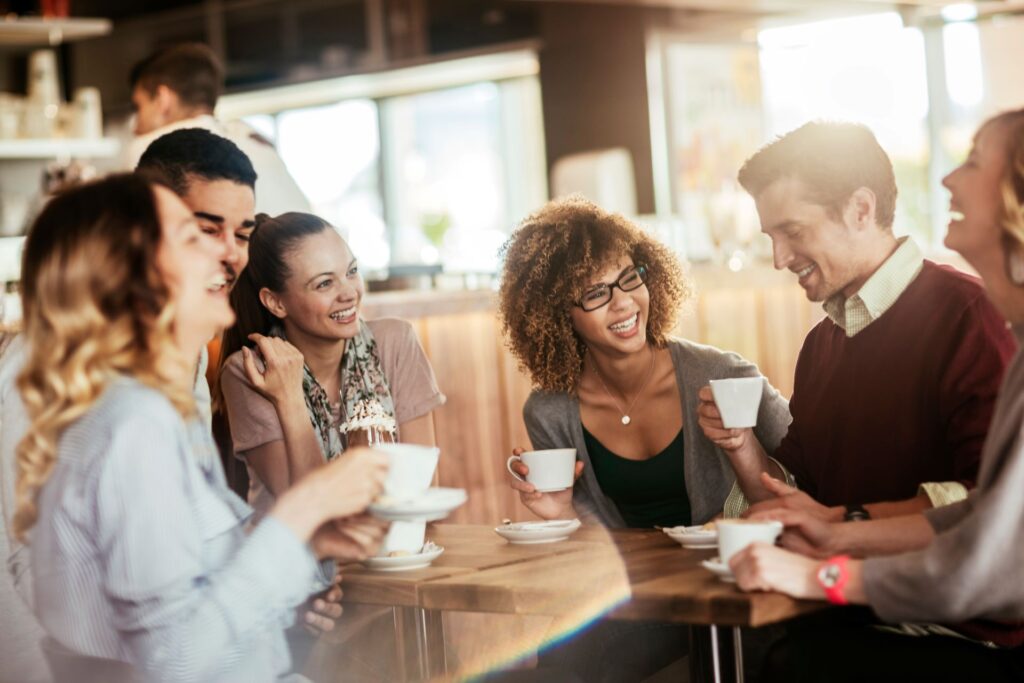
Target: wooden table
[{"x": 632, "y": 574}]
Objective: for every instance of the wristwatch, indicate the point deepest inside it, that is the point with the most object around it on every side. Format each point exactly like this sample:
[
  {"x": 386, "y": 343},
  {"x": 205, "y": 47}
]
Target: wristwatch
[
  {"x": 856, "y": 513},
  {"x": 833, "y": 576}
]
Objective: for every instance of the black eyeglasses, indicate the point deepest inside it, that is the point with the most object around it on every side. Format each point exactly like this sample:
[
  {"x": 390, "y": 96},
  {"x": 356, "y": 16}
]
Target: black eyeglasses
[{"x": 600, "y": 295}]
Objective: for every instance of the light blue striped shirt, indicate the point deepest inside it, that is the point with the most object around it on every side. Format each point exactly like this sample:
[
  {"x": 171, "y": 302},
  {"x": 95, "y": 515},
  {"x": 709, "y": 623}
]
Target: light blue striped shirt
[{"x": 141, "y": 554}]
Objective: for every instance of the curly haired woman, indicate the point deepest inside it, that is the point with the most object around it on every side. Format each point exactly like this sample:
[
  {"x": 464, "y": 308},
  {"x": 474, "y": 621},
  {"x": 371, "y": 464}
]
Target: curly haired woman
[{"x": 588, "y": 301}]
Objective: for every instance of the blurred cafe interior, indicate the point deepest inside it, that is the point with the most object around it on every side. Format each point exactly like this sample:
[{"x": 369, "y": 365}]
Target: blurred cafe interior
[{"x": 425, "y": 131}]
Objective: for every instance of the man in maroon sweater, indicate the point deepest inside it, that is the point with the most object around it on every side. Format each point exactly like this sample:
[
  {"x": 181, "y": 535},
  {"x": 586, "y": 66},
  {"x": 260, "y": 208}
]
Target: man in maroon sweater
[{"x": 895, "y": 388}]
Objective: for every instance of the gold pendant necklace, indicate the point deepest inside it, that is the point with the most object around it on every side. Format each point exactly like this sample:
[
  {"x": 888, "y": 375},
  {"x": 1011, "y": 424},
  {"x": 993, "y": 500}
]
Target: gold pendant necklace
[{"x": 625, "y": 413}]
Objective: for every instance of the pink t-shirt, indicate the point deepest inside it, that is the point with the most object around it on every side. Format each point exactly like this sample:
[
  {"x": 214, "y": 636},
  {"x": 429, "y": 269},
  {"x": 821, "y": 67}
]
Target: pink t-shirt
[{"x": 254, "y": 421}]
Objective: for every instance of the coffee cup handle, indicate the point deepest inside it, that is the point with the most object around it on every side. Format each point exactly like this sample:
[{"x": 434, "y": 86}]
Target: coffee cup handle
[{"x": 508, "y": 466}]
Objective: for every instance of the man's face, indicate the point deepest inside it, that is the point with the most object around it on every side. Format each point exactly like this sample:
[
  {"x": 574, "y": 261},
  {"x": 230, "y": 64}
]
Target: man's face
[
  {"x": 149, "y": 110},
  {"x": 226, "y": 211},
  {"x": 810, "y": 242}
]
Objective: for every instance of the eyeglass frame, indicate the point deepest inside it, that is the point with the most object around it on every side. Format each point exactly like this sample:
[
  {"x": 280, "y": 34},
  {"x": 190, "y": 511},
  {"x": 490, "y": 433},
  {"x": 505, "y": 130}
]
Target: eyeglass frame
[{"x": 639, "y": 268}]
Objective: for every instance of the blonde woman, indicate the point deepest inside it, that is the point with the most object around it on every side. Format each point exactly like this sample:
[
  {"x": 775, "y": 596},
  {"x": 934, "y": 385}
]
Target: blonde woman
[
  {"x": 142, "y": 562},
  {"x": 958, "y": 565}
]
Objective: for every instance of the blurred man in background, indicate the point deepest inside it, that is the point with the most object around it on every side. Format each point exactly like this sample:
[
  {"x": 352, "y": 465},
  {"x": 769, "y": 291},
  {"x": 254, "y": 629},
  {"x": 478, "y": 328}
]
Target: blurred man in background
[{"x": 178, "y": 88}]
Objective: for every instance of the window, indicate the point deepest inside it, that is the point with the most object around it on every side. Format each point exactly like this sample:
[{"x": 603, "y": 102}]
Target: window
[
  {"x": 411, "y": 176},
  {"x": 722, "y": 101}
]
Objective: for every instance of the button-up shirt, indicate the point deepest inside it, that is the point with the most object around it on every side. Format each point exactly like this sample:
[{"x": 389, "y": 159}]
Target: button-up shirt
[
  {"x": 880, "y": 291},
  {"x": 140, "y": 553}
]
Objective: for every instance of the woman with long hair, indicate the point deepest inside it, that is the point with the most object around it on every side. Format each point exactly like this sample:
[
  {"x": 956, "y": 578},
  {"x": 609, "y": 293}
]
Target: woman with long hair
[
  {"x": 142, "y": 557},
  {"x": 298, "y": 303},
  {"x": 953, "y": 572}
]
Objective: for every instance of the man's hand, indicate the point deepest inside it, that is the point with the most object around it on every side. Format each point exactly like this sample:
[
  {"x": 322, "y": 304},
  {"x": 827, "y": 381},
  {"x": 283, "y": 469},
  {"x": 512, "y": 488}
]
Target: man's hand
[
  {"x": 805, "y": 533},
  {"x": 322, "y": 611},
  {"x": 710, "y": 421},
  {"x": 790, "y": 498}
]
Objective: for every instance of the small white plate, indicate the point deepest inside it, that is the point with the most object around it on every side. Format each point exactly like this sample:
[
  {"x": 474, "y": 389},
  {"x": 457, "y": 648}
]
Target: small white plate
[
  {"x": 431, "y": 505},
  {"x": 696, "y": 531},
  {"x": 693, "y": 536},
  {"x": 538, "y": 532},
  {"x": 719, "y": 569},
  {"x": 401, "y": 563}
]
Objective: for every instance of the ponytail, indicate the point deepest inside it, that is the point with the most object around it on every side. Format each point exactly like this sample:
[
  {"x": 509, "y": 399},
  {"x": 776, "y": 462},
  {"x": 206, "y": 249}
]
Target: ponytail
[{"x": 272, "y": 240}]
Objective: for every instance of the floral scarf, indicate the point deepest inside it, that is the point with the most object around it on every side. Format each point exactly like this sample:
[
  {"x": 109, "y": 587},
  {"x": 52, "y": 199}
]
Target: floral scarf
[{"x": 362, "y": 379}]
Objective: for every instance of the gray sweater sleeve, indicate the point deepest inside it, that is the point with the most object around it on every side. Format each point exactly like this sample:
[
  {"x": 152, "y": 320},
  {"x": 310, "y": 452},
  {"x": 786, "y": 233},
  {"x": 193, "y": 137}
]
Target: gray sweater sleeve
[
  {"x": 547, "y": 418},
  {"x": 972, "y": 569}
]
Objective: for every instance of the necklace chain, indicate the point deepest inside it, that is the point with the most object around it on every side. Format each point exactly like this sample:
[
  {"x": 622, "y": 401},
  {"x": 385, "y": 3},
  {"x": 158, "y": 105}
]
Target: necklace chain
[{"x": 625, "y": 413}]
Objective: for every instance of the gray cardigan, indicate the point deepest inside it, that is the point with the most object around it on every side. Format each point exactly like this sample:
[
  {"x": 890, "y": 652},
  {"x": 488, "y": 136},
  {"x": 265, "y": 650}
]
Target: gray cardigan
[
  {"x": 973, "y": 567},
  {"x": 553, "y": 421}
]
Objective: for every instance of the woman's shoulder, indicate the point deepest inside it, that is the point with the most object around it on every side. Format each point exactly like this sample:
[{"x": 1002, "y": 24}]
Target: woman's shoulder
[
  {"x": 387, "y": 330},
  {"x": 707, "y": 360},
  {"x": 129, "y": 392},
  {"x": 547, "y": 405},
  {"x": 126, "y": 411},
  {"x": 232, "y": 370}
]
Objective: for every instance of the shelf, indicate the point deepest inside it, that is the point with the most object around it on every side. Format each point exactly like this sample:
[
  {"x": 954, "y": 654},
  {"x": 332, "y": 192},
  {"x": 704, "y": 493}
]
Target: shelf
[
  {"x": 32, "y": 31},
  {"x": 58, "y": 148}
]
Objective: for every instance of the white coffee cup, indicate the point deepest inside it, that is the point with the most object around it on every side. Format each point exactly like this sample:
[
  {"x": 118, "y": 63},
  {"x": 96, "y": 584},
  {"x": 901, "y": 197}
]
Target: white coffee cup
[
  {"x": 411, "y": 468},
  {"x": 549, "y": 470},
  {"x": 738, "y": 399},
  {"x": 736, "y": 534},
  {"x": 404, "y": 537}
]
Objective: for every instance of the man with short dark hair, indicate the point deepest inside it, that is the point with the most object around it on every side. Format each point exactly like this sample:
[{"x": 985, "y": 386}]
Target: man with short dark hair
[
  {"x": 217, "y": 182},
  {"x": 178, "y": 87},
  {"x": 894, "y": 389}
]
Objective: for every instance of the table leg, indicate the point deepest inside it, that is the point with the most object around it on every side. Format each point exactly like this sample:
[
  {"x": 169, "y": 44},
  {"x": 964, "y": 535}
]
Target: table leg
[
  {"x": 419, "y": 634},
  {"x": 715, "y": 663},
  {"x": 737, "y": 652}
]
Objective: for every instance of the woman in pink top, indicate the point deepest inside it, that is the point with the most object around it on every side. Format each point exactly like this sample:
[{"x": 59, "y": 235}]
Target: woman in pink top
[{"x": 298, "y": 305}]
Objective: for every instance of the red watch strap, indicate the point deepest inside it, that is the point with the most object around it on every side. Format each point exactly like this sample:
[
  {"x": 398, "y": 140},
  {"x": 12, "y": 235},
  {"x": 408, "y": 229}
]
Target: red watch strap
[{"x": 835, "y": 590}]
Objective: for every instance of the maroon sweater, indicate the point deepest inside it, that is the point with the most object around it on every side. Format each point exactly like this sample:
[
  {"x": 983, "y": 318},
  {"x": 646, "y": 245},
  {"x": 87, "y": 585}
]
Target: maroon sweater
[{"x": 905, "y": 401}]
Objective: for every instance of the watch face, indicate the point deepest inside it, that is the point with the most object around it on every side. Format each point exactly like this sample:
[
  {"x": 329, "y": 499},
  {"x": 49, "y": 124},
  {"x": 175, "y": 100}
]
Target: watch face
[{"x": 829, "y": 575}]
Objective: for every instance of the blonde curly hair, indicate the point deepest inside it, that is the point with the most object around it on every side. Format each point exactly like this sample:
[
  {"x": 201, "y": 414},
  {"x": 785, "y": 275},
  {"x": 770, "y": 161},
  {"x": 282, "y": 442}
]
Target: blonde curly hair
[
  {"x": 95, "y": 307},
  {"x": 1012, "y": 185},
  {"x": 549, "y": 261}
]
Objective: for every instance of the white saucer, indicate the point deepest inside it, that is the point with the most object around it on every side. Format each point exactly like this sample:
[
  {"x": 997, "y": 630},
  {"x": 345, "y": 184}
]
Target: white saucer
[
  {"x": 693, "y": 536},
  {"x": 428, "y": 554},
  {"x": 432, "y": 504},
  {"x": 719, "y": 569},
  {"x": 538, "y": 532}
]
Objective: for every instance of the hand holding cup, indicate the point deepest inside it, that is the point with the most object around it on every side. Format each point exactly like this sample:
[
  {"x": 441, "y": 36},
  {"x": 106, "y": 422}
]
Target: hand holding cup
[{"x": 545, "y": 486}]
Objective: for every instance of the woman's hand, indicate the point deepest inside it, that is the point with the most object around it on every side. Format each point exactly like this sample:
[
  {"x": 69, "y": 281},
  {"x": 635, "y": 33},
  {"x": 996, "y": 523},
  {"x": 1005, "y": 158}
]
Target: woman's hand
[
  {"x": 710, "y": 421},
  {"x": 553, "y": 505},
  {"x": 339, "y": 489},
  {"x": 281, "y": 379},
  {"x": 763, "y": 567},
  {"x": 349, "y": 540}
]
